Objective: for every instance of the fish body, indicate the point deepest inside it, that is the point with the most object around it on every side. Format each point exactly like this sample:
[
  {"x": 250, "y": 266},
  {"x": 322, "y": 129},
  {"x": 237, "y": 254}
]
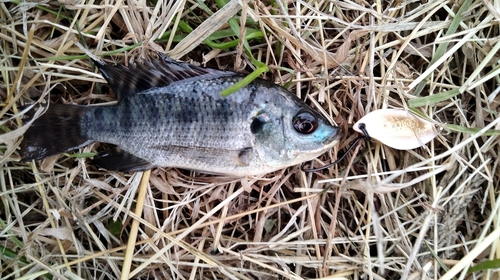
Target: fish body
[{"x": 171, "y": 114}]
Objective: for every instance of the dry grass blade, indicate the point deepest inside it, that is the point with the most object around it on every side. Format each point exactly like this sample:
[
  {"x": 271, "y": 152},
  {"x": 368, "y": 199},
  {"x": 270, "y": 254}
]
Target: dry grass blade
[
  {"x": 427, "y": 213},
  {"x": 135, "y": 225},
  {"x": 205, "y": 29}
]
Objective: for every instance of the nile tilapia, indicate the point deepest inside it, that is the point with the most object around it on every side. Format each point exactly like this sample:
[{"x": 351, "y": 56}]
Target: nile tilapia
[{"x": 171, "y": 114}]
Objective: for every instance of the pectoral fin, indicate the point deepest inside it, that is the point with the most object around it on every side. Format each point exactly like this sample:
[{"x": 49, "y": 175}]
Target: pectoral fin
[
  {"x": 120, "y": 160},
  {"x": 245, "y": 156}
]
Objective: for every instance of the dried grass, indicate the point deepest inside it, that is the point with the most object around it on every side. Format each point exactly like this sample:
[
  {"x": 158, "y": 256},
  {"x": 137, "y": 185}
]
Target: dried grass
[{"x": 429, "y": 213}]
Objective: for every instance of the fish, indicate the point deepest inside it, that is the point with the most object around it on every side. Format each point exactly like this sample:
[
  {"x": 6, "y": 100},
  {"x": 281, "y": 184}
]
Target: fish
[{"x": 171, "y": 114}]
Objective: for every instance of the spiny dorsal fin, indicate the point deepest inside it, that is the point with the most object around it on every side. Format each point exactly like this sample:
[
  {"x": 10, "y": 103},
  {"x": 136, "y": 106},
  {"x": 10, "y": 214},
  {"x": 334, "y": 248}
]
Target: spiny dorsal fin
[{"x": 159, "y": 72}]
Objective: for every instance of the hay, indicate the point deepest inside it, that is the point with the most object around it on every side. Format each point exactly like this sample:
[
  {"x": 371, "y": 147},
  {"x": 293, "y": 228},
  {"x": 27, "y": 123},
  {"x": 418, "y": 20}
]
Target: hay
[{"x": 380, "y": 214}]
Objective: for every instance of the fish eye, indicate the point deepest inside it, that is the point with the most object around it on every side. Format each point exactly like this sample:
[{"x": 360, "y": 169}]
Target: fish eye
[{"x": 305, "y": 122}]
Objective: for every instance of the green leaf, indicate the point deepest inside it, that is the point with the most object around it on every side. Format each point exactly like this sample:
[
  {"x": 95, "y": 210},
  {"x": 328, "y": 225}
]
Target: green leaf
[
  {"x": 468, "y": 130},
  {"x": 245, "y": 81},
  {"x": 269, "y": 225},
  {"x": 45, "y": 9},
  {"x": 11, "y": 255},
  {"x": 440, "y": 51},
  {"x": 5, "y": 128},
  {"x": 115, "y": 227},
  {"x": 436, "y": 257},
  {"x": 12, "y": 237},
  {"x": 433, "y": 99},
  {"x": 490, "y": 264},
  {"x": 232, "y": 43}
]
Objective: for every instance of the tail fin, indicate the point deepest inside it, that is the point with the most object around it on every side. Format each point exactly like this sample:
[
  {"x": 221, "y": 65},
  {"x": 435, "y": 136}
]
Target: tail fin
[{"x": 57, "y": 130}]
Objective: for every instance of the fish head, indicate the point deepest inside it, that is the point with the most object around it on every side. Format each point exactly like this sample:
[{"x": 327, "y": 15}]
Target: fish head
[{"x": 288, "y": 132}]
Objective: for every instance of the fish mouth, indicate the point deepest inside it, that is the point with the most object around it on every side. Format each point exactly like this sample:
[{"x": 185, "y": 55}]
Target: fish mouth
[{"x": 333, "y": 138}]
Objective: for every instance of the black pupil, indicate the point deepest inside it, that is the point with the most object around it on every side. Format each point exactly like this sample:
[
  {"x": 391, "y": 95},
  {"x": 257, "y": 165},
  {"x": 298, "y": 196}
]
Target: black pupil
[{"x": 305, "y": 122}]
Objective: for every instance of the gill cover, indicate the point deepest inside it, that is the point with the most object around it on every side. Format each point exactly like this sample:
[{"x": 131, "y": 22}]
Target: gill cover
[{"x": 270, "y": 141}]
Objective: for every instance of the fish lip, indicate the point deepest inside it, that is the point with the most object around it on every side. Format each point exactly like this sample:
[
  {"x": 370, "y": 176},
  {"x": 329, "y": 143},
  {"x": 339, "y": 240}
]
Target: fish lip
[{"x": 333, "y": 138}]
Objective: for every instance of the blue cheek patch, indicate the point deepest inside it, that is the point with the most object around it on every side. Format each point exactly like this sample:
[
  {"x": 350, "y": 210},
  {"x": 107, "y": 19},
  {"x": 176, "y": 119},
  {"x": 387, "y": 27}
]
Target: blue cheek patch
[{"x": 322, "y": 133}]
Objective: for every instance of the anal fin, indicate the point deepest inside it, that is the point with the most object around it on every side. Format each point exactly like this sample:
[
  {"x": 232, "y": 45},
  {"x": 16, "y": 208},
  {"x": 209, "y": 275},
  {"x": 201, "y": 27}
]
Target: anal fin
[{"x": 119, "y": 160}]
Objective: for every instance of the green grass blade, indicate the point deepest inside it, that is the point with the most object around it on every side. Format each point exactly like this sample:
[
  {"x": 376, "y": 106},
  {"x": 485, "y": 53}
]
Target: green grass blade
[
  {"x": 441, "y": 49},
  {"x": 436, "y": 257},
  {"x": 245, "y": 81},
  {"x": 489, "y": 264},
  {"x": 11, "y": 255},
  {"x": 433, "y": 99},
  {"x": 14, "y": 239},
  {"x": 467, "y": 130}
]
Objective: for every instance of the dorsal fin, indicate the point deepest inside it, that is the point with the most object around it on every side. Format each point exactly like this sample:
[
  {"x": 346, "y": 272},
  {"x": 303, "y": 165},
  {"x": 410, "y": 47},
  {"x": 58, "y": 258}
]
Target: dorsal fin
[{"x": 159, "y": 72}]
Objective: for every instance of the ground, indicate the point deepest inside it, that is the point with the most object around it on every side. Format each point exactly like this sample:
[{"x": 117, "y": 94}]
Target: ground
[{"x": 381, "y": 213}]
